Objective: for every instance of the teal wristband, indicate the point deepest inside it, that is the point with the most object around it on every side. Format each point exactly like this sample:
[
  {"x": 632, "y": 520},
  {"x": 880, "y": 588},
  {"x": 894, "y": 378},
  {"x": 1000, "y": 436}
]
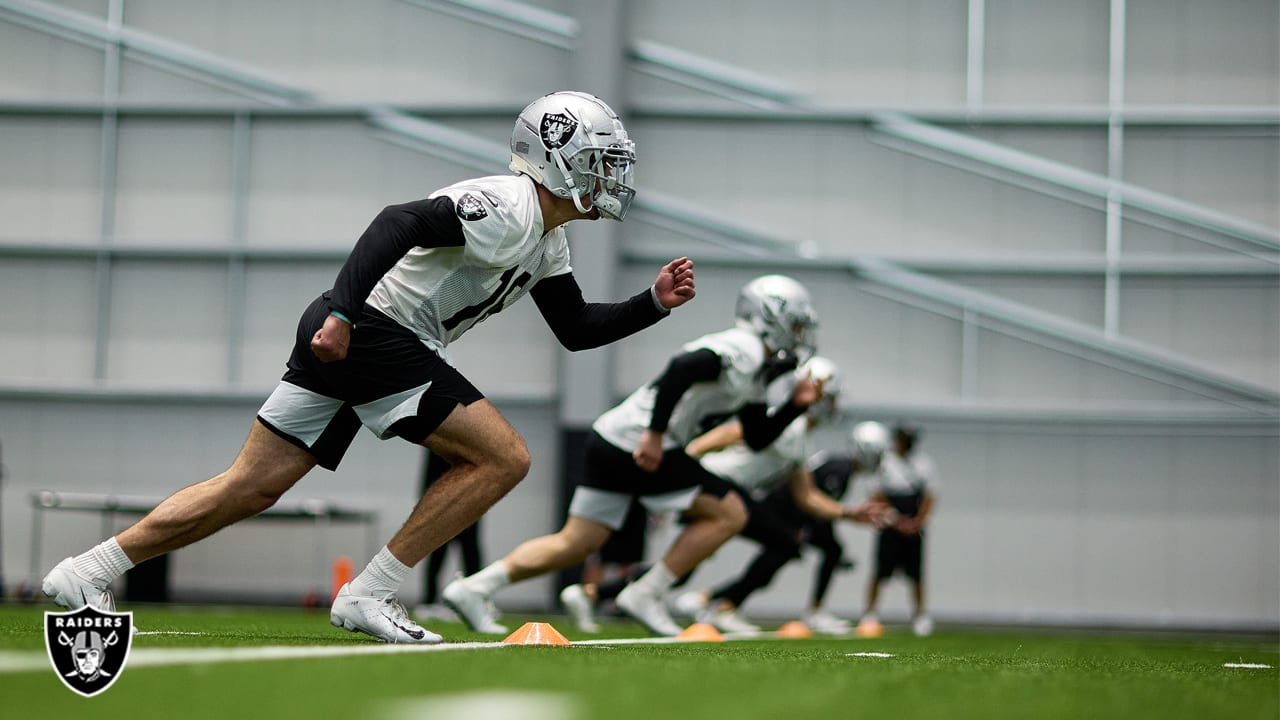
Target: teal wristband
[{"x": 342, "y": 317}]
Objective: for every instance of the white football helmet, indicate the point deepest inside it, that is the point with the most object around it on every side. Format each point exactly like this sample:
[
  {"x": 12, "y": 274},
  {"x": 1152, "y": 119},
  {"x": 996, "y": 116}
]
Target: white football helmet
[
  {"x": 869, "y": 441},
  {"x": 819, "y": 368},
  {"x": 779, "y": 310},
  {"x": 574, "y": 145}
]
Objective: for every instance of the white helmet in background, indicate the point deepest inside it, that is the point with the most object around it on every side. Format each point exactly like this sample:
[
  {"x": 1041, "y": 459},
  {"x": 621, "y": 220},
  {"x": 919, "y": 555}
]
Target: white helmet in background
[
  {"x": 820, "y": 368},
  {"x": 574, "y": 145},
  {"x": 869, "y": 441},
  {"x": 779, "y": 310}
]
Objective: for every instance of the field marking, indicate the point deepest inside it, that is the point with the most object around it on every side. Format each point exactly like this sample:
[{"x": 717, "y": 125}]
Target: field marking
[
  {"x": 482, "y": 704},
  {"x": 870, "y": 654},
  {"x": 1250, "y": 666},
  {"x": 167, "y": 632},
  {"x": 18, "y": 662}
]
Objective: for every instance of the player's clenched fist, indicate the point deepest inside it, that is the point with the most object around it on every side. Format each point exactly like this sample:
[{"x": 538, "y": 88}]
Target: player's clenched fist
[{"x": 674, "y": 285}]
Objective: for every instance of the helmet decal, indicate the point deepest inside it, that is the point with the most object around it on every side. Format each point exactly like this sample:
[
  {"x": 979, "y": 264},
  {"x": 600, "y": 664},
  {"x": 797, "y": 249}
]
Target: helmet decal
[{"x": 556, "y": 129}]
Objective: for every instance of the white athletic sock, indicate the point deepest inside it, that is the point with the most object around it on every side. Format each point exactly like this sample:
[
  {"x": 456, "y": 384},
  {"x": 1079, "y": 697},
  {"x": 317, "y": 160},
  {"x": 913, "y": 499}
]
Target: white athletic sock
[
  {"x": 383, "y": 575},
  {"x": 488, "y": 580},
  {"x": 102, "y": 563},
  {"x": 657, "y": 581}
]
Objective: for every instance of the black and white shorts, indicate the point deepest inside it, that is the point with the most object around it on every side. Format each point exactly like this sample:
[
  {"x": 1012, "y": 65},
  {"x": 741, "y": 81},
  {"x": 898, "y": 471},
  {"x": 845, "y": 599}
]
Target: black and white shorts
[
  {"x": 390, "y": 382},
  {"x": 611, "y": 479},
  {"x": 895, "y": 551}
]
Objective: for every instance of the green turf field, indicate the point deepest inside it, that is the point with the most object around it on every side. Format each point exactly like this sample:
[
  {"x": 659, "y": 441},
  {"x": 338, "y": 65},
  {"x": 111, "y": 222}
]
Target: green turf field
[{"x": 956, "y": 673}]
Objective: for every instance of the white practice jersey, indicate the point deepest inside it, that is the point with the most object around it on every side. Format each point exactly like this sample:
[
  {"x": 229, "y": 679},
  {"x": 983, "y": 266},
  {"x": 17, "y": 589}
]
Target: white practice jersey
[
  {"x": 440, "y": 293},
  {"x": 903, "y": 477},
  {"x": 762, "y": 471},
  {"x": 742, "y": 357}
]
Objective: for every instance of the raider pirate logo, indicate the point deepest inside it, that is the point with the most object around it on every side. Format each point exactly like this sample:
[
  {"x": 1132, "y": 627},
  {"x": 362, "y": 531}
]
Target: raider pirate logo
[
  {"x": 556, "y": 129},
  {"x": 470, "y": 208},
  {"x": 88, "y": 647}
]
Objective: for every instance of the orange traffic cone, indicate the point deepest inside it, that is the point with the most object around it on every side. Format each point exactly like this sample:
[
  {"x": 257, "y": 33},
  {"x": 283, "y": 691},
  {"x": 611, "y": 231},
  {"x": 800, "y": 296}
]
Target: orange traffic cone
[
  {"x": 536, "y": 633},
  {"x": 794, "y": 630},
  {"x": 869, "y": 629},
  {"x": 341, "y": 575},
  {"x": 700, "y": 632}
]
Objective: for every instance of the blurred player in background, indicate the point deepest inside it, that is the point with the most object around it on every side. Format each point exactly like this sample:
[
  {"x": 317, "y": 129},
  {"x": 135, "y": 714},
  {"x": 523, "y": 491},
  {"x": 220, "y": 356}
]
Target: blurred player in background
[
  {"x": 780, "y": 526},
  {"x": 779, "y": 468},
  {"x": 371, "y": 352},
  {"x": 908, "y": 482},
  {"x": 832, "y": 471},
  {"x": 637, "y": 451}
]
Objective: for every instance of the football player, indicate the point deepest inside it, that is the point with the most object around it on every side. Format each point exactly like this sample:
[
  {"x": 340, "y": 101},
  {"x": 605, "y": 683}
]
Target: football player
[
  {"x": 369, "y": 352},
  {"x": 637, "y": 450},
  {"x": 908, "y": 482}
]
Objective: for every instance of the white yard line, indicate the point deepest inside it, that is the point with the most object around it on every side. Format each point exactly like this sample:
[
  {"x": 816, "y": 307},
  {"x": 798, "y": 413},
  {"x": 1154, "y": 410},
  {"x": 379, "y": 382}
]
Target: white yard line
[
  {"x": 1249, "y": 666},
  {"x": 17, "y": 662},
  {"x": 870, "y": 655},
  {"x": 14, "y": 662}
]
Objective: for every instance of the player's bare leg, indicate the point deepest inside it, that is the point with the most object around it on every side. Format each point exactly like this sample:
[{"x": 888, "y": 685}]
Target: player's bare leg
[
  {"x": 570, "y": 546},
  {"x": 712, "y": 522},
  {"x": 471, "y": 597},
  {"x": 265, "y": 468},
  {"x": 487, "y": 459}
]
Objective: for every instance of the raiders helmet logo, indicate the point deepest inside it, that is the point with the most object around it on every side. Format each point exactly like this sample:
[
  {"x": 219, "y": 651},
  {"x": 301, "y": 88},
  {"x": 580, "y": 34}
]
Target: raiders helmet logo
[
  {"x": 556, "y": 129},
  {"x": 469, "y": 207},
  {"x": 88, "y": 647}
]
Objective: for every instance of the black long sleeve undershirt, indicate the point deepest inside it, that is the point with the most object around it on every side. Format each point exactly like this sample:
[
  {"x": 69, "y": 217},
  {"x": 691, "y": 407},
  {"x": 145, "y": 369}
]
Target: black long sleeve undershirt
[
  {"x": 393, "y": 233},
  {"x": 580, "y": 325},
  {"x": 681, "y": 373},
  {"x": 760, "y": 428}
]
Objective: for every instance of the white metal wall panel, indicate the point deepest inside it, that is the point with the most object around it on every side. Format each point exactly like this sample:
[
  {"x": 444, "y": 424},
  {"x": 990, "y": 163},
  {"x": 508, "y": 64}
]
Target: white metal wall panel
[
  {"x": 385, "y": 51},
  {"x": 41, "y": 67},
  {"x": 173, "y": 183},
  {"x": 49, "y": 336},
  {"x": 51, "y": 189},
  {"x": 168, "y": 325},
  {"x": 1233, "y": 171},
  {"x": 1196, "y": 53},
  {"x": 1045, "y": 52},
  {"x": 1230, "y": 323},
  {"x": 845, "y": 53}
]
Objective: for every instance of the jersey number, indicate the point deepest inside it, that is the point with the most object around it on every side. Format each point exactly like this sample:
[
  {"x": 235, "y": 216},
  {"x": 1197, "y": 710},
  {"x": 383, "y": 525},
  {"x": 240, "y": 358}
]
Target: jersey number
[{"x": 491, "y": 304}]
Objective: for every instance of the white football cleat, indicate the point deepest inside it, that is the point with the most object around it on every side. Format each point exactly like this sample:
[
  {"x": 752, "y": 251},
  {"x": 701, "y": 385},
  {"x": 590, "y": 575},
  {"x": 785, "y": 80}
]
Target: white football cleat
[
  {"x": 580, "y": 608},
  {"x": 820, "y": 621},
  {"x": 648, "y": 609},
  {"x": 73, "y": 591},
  {"x": 729, "y": 621},
  {"x": 922, "y": 625},
  {"x": 689, "y": 604},
  {"x": 381, "y": 617},
  {"x": 476, "y": 610}
]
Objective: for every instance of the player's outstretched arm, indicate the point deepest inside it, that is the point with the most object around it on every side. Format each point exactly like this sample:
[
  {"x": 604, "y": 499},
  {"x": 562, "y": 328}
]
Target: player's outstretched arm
[
  {"x": 717, "y": 438},
  {"x": 580, "y": 325}
]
